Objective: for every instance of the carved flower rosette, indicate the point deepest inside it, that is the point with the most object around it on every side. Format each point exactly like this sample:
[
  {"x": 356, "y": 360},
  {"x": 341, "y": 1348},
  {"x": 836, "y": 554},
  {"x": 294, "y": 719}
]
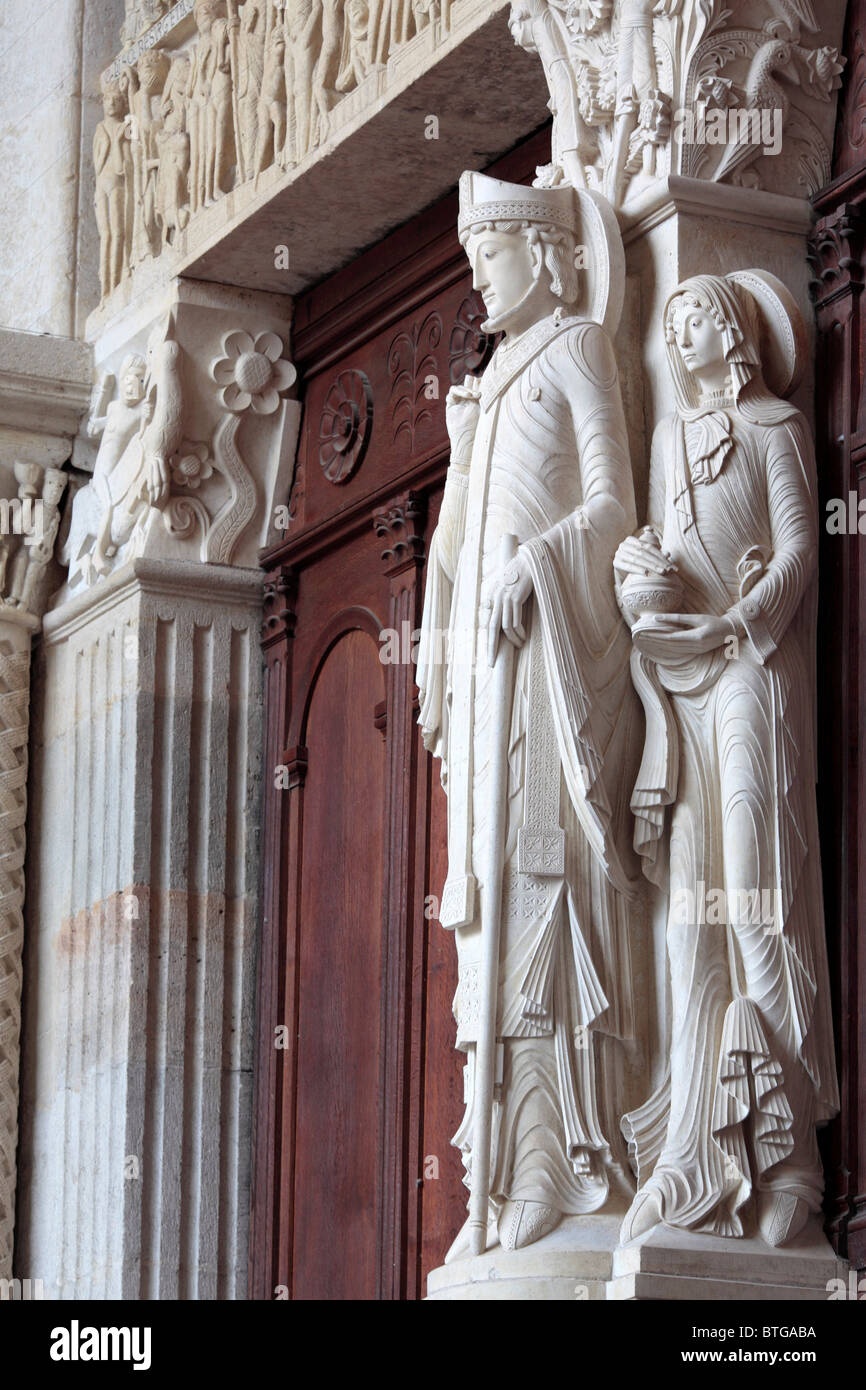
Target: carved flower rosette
[{"x": 253, "y": 374}]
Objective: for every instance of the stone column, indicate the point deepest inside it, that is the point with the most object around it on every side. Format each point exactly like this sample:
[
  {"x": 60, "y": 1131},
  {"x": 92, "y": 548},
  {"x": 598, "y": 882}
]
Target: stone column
[{"x": 146, "y": 793}]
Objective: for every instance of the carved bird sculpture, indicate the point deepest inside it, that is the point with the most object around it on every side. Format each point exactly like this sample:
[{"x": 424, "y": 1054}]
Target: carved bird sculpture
[
  {"x": 775, "y": 63},
  {"x": 793, "y": 15}
]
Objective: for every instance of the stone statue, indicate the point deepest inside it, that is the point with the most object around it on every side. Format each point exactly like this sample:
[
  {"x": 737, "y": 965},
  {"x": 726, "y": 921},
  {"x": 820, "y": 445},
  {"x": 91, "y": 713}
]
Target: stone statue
[
  {"x": 251, "y": 65},
  {"x": 354, "y": 56},
  {"x": 211, "y": 109},
  {"x": 539, "y": 453},
  {"x": 271, "y": 120},
  {"x": 112, "y": 163},
  {"x": 140, "y": 14},
  {"x": 27, "y": 590},
  {"x": 720, "y": 593},
  {"x": 302, "y": 26},
  {"x": 146, "y": 82},
  {"x": 140, "y": 433},
  {"x": 328, "y": 64},
  {"x": 173, "y": 146},
  {"x": 539, "y": 27}
]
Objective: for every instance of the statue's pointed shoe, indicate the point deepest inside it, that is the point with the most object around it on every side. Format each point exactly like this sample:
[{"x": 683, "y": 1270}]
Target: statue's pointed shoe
[
  {"x": 642, "y": 1215},
  {"x": 781, "y": 1216},
  {"x": 522, "y": 1223}
]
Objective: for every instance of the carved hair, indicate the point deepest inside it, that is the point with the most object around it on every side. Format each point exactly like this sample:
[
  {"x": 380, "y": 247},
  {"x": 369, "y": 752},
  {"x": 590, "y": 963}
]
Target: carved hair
[
  {"x": 134, "y": 362},
  {"x": 558, "y": 249}
]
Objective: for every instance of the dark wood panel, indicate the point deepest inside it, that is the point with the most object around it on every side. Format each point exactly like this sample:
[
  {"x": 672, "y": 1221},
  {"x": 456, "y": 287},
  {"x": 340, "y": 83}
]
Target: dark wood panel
[{"x": 338, "y": 1033}]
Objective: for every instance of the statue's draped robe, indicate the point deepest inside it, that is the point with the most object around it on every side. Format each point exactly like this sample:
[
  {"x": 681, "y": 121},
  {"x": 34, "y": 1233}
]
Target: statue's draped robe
[
  {"x": 550, "y": 465},
  {"x": 752, "y": 1068}
]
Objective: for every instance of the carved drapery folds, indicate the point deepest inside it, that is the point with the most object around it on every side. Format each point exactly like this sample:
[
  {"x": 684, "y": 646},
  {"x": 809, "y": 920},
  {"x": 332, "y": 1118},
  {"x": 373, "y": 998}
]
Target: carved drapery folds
[
  {"x": 642, "y": 89},
  {"x": 208, "y": 95}
]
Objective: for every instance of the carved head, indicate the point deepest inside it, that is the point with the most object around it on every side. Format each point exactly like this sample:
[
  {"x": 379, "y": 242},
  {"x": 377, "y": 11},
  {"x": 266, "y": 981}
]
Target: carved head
[
  {"x": 712, "y": 332},
  {"x": 521, "y": 243},
  {"x": 53, "y": 486},
  {"x": 113, "y": 100},
  {"x": 132, "y": 375},
  {"x": 206, "y": 11},
  {"x": 153, "y": 67}
]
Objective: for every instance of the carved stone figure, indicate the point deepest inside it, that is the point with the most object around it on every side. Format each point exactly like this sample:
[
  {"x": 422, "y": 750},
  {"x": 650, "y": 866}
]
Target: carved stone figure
[
  {"x": 37, "y": 550},
  {"x": 354, "y": 64},
  {"x": 539, "y": 27},
  {"x": 173, "y": 146},
  {"x": 140, "y": 14},
  {"x": 390, "y": 25},
  {"x": 271, "y": 120},
  {"x": 146, "y": 81},
  {"x": 302, "y": 24},
  {"x": 533, "y": 765},
  {"x": 140, "y": 434},
  {"x": 725, "y": 798},
  {"x": 328, "y": 63},
  {"x": 251, "y": 65},
  {"x": 112, "y": 163},
  {"x": 211, "y": 108}
]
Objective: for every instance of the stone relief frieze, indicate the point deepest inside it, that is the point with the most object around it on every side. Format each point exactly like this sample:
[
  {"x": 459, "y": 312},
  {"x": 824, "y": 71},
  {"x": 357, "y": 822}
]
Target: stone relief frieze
[{"x": 207, "y": 96}]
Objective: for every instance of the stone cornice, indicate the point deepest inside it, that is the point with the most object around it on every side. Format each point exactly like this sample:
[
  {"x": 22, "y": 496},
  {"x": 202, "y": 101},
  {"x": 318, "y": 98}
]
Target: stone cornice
[{"x": 45, "y": 383}]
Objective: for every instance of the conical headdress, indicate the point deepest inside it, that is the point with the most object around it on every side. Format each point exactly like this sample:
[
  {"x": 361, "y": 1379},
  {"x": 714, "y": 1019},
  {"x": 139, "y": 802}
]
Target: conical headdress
[{"x": 483, "y": 199}]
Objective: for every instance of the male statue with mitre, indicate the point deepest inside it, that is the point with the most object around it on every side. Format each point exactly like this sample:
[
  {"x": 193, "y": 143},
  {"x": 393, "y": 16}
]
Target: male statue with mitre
[{"x": 539, "y": 452}]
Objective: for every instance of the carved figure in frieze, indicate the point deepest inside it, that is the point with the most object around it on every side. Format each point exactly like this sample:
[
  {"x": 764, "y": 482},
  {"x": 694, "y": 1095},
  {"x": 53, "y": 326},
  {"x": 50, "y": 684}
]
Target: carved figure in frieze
[
  {"x": 720, "y": 593},
  {"x": 140, "y": 14},
  {"x": 271, "y": 122},
  {"x": 303, "y": 25},
  {"x": 146, "y": 82},
  {"x": 526, "y": 697},
  {"x": 354, "y": 64},
  {"x": 211, "y": 109},
  {"x": 112, "y": 162},
  {"x": 391, "y": 23},
  {"x": 26, "y": 590},
  {"x": 173, "y": 145},
  {"x": 328, "y": 65},
  {"x": 252, "y": 35}
]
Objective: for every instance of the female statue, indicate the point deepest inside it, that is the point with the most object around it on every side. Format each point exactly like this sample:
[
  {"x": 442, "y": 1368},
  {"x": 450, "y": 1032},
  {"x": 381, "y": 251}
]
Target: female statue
[{"x": 727, "y": 684}]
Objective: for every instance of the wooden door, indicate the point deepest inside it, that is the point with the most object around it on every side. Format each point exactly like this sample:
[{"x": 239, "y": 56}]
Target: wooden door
[{"x": 357, "y": 1190}]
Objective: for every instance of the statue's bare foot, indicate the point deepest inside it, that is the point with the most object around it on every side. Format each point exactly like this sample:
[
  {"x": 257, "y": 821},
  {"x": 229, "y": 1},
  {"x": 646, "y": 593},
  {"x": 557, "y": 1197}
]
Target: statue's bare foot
[
  {"x": 522, "y": 1223},
  {"x": 642, "y": 1215},
  {"x": 781, "y": 1216}
]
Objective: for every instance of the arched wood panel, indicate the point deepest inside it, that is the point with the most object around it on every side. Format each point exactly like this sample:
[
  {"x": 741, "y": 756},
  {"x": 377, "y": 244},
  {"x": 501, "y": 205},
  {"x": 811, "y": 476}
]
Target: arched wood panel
[{"x": 339, "y": 967}]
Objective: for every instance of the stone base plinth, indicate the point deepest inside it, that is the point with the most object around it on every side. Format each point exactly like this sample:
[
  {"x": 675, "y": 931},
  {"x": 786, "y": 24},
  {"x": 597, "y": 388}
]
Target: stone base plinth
[
  {"x": 574, "y": 1263},
  {"x": 582, "y": 1261},
  {"x": 678, "y": 1265}
]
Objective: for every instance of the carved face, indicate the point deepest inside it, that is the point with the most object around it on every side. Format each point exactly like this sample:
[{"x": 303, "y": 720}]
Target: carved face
[
  {"x": 503, "y": 269},
  {"x": 699, "y": 341},
  {"x": 133, "y": 383},
  {"x": 113, "y": 103}
]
